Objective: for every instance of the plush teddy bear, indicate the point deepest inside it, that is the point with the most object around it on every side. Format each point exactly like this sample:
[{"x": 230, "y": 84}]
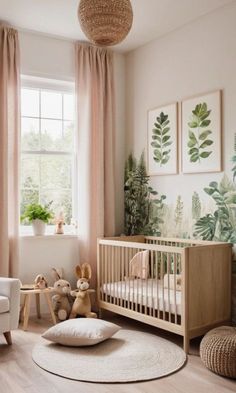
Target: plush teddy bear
[
  {"x": 62, "y": 301},
  {"x": 40, "y": 282},
  {"x": 82, "y": 303}
]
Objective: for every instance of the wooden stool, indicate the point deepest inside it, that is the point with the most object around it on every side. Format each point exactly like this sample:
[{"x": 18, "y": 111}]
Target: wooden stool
[{"x": 26, "y": 304}]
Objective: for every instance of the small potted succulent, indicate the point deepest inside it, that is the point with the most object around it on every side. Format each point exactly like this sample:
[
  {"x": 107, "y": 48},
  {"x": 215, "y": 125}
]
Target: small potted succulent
[{"x": 39, "y": 216}]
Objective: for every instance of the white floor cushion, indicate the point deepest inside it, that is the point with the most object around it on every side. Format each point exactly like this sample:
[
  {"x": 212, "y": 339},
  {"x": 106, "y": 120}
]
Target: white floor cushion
[{"x": 81, "y": 332}]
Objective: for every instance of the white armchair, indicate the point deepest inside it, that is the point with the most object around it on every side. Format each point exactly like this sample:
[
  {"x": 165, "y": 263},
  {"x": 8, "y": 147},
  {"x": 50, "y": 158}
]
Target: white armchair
[{"x": 9, "y": 306}]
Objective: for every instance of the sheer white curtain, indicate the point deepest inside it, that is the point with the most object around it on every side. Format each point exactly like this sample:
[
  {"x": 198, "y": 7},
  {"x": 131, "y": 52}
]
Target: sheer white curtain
[
  {"x": 9, "y": 149},
  {"x": 95, "y": 107}
]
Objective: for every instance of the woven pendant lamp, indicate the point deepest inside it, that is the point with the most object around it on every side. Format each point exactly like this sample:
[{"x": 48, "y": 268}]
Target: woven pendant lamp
[{"x": 105, "y": 22}]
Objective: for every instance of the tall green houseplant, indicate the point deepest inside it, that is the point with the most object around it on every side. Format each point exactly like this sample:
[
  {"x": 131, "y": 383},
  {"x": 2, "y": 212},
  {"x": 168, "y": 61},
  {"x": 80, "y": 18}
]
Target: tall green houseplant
[{"x": 142, "y": 207}]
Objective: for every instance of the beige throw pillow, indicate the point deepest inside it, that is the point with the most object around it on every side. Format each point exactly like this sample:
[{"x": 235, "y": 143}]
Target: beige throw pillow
[
  {"x": 81, "y": 332},
  {"x": 173, "y": 282},
  {"x": 139, "y": 265}
]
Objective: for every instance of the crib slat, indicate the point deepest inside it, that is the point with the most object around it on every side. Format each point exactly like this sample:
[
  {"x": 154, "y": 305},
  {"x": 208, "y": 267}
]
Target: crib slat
[
  {"x": 175, "y": 288},
  {"x": 163, "y": 290},
  {"x": 128, "y": 273},
  {"x": 119, "y": 278},
  {"x": 152, "y": 278},
  {"x": 141, "y": 300},
  {"x": 109, "y": 273},
  {"x": 114, "y": 283},
  {"x": 113, "y": 274},
  {"x": 131, "y": 293},
  {"x": 126, "y": 278},
  {"x": 106, "y": 271},
  {"x": 101, "y": 281},
  {"x": 122, "y": 277},
  {"x": 118, "y": 264},
  {"x": 168, "y": 273},
  {"x": 136, "y": 294},
  {"x": 157, "y": 285},
  {"x": 134, "y": 283},
  {"x": 146, "y": 296}
]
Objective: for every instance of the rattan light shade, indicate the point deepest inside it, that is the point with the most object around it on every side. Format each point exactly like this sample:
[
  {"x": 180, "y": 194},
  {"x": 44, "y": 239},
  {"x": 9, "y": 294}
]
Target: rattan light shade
[{"x": 105, "y": 22}]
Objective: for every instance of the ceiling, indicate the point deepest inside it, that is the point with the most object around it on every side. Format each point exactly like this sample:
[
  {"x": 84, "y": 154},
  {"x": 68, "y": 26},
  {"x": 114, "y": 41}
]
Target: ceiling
[{"x": 152, "y": 18}]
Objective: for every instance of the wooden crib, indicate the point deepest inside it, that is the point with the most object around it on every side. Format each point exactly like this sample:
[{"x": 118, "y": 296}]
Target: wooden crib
[{"x": 191, "y": 307}]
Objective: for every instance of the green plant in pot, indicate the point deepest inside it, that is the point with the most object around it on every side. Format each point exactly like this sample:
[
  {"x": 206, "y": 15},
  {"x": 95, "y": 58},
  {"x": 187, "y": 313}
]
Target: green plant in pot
[{"x": 39, "y": 216}]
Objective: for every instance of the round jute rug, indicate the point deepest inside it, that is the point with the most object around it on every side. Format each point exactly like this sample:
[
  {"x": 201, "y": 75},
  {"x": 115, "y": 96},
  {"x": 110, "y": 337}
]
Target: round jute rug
[{"x": 128, "y": 356}]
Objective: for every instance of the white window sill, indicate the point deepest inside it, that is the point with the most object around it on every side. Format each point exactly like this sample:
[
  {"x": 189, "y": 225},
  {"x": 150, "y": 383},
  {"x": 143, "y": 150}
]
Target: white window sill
[
  {"x": 26, "y": 231},
  {"x": 49, "y": 236}
]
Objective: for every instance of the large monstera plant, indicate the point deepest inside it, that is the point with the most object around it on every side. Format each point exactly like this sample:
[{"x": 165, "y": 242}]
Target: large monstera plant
[
  {"x": 221, "y": 225},
  {"x": 161, "y": 139},
  {"x": 199, "y": 132}
]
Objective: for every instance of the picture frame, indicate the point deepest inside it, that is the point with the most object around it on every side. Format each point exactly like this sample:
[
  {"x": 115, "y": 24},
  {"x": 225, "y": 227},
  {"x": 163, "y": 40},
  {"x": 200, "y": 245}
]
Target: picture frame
[
  {"x": 162, "y": 140},
  {"x": 201, "y": 133}
]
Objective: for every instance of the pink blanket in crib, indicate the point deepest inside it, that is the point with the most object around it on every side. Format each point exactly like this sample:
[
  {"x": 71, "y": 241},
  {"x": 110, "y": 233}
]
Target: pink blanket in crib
[{"x": 139, "y": 265}]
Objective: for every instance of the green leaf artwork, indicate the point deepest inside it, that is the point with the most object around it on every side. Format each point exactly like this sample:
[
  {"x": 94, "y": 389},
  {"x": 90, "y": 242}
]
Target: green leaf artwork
[
  {"x": 198, "y": 134},
  {"x": 161, "y": 139}
]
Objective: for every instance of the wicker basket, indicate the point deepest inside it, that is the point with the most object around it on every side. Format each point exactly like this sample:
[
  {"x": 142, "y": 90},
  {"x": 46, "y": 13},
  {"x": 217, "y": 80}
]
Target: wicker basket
[
  {"x": 218, "y": 351},
  {"x": 105, "y": 22}
]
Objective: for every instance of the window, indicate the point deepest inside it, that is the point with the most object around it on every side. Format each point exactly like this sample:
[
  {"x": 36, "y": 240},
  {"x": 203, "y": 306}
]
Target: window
[{"x": 47, "y": 148}]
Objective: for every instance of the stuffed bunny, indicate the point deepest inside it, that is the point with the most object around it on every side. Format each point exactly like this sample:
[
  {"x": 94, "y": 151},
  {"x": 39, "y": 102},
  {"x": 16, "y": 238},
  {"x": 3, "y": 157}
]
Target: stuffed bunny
[
  {"x": 62, "y": 301},
  {"x": 82, "y": 304}
]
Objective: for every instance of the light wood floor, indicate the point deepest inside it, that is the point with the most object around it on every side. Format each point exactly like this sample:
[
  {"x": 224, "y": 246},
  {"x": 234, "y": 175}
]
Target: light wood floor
[{"x": 19, "y": 374}]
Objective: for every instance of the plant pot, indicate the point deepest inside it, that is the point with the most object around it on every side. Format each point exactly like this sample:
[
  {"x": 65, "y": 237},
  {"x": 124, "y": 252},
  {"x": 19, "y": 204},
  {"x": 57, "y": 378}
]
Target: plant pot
[{"x": 39, "y": 227}]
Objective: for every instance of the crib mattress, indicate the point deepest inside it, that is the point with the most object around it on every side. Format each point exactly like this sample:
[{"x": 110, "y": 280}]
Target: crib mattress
[{"x": 148, "y": 293}]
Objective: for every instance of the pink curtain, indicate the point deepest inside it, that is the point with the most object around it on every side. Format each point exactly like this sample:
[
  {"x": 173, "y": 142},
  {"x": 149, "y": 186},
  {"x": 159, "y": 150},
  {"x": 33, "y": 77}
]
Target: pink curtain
[
  {"x": 95, "y": 108},
  {"x": 9, "y": 148}
]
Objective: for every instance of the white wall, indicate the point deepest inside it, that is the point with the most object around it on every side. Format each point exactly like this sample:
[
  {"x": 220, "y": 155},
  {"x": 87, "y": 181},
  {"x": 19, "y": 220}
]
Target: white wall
[
  {"x": 198, "y": 58},
  {"x": 47, "y": 57},
  {"x": 40, "y": 253},
  {"x": 53, "y": 58},
  {"x": 119, "y": 68}
]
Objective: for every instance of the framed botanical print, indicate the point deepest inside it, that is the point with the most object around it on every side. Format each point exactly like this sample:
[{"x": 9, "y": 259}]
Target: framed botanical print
[
  {"x": 162, "y": 140},
  {"x": 201, "y": 133}
]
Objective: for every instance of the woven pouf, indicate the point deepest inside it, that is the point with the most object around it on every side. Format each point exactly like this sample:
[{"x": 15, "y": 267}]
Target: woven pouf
[{"x": 218, "y": 351}]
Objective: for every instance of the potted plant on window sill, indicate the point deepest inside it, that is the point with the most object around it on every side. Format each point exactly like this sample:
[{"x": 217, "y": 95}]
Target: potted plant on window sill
[{"x": 39, "y": 216}]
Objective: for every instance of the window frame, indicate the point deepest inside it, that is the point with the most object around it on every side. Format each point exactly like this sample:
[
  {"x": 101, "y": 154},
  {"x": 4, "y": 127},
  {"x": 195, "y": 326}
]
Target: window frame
[{"x": 57, "y": 86}]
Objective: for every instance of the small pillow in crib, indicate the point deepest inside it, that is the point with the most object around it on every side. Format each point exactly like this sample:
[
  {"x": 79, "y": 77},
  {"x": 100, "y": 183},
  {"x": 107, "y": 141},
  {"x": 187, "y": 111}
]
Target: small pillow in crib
[
  {"x": 81, "y": 332},
  {"x": 174, "y": 281},
  {"x": 139, "y": 265}
]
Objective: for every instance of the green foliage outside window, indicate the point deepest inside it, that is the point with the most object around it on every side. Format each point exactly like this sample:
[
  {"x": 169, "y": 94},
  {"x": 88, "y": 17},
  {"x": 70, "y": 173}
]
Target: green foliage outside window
[{"x": 47, "y": 177}]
